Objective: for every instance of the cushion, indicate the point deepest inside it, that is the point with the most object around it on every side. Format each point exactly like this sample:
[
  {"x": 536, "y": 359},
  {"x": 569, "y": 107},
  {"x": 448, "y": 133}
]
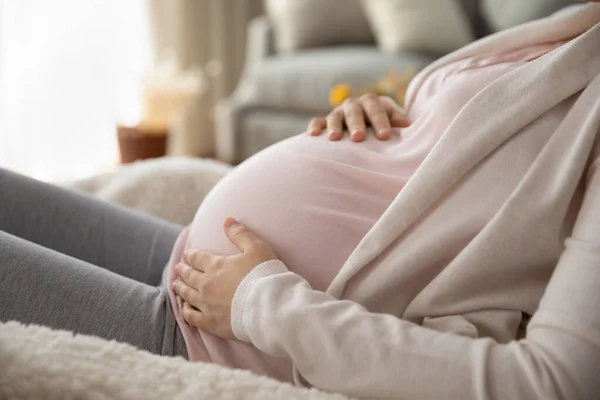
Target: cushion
[
  {"x": 313, "y": 23},
  {"x": 423, "y": 25},
  {"x": 302, "y": 81},
  {"x": 170, "y": 188},
  {"x": 503, "y": 14}
]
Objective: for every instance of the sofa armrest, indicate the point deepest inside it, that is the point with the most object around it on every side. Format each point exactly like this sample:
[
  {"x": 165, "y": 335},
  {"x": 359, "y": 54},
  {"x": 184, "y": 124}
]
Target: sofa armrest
[
  {"x": 260, "y": 41},
  {"x": 260, "y": 45},
  {"x": 227, "y": 115}
]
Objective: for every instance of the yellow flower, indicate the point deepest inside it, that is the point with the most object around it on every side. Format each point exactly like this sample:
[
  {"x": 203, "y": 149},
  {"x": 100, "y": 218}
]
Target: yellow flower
[
  {"x": 339, "y": 93},
  {"x": 401, "y": 96}
]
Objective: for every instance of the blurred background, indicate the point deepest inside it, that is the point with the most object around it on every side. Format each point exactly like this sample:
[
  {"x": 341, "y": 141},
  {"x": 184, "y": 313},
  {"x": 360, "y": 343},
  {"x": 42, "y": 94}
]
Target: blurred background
[
  {"x": 71, "y": 70},
  {"x": 88, "y": 85}
]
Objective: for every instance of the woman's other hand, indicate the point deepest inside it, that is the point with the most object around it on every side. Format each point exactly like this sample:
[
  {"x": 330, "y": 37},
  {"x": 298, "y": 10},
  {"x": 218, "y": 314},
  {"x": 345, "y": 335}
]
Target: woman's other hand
[
  {"x": 381, "y": 112},
  {"x": 207, "y": 282}
]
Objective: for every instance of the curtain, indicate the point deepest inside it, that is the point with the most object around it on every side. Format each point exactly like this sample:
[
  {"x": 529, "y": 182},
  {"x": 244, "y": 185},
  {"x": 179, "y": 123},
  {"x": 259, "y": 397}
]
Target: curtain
[
  {"x": 206, "y": 34},
  {"x": 69, "y": 72}
]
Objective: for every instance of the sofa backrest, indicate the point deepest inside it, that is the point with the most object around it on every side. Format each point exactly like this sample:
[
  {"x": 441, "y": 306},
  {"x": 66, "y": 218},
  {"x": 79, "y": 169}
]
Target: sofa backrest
[
  {"x": 504, "y": 14},
  {"x": 489, "y": 16},
  {"x": 473, "y": 11},
  {"x": 301, "y": 24}
]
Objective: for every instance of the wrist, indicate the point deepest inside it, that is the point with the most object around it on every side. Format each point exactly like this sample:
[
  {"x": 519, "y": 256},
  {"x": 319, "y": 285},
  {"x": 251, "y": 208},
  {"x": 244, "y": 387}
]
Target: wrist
[{"x": 239, "y": 313}]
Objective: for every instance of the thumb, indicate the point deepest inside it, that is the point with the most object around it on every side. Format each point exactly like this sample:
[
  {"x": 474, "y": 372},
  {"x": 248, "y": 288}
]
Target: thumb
[{"x": 239, "y": 234}]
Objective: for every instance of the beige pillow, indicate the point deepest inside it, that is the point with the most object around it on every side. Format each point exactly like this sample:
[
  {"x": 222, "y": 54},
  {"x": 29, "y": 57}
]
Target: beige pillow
[
  {"x": 311, "y": 23},
  {"x": 438, "y": 26}
]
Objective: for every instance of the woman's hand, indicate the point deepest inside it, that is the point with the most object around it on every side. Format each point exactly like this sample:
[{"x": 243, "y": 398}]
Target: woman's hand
[
  {"x": 381, "y": 112},
  {"x": 207, "y": 282}
]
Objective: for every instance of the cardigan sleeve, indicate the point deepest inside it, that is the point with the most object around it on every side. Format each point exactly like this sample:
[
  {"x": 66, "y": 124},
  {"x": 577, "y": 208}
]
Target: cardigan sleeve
[{"x": 339, "y": 346}]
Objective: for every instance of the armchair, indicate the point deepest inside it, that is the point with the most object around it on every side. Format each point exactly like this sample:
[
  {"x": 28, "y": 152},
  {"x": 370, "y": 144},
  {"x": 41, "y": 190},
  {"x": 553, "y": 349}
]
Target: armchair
[{"x": 279, "y": 93}]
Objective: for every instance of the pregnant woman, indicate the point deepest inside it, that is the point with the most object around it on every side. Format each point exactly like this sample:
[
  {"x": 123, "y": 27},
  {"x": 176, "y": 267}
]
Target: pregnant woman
[{"x": 452, "y": 251}]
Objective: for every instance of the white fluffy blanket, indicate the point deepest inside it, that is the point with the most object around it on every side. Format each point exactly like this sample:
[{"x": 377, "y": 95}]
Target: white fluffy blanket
[
  {"x": 171, "y": 188},
  {"x": 39, "y": 363}
]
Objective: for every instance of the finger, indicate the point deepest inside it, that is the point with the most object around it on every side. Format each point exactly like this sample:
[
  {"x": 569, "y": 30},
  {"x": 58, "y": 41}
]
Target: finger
[
  {"x": 197, "y": 259},
  {"x": 194, "y": 316},
  {"x": 398, "y": 119},
  {"x": 335, "y": 124},
  {"x": 186, "y": 292},
  {"x": 397, "y": 115},
  {"x": 379, "y": 119},
  {"x": 355, "y": 119},
  {"x": 189, "y": 275},
  {"x": 316, "y": 126},
  {"x": 239, "y": 235}
]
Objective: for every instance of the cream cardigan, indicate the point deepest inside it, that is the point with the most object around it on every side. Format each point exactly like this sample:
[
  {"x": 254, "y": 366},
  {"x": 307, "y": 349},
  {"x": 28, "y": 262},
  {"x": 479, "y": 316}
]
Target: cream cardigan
[{"x": 501, "y": 220}]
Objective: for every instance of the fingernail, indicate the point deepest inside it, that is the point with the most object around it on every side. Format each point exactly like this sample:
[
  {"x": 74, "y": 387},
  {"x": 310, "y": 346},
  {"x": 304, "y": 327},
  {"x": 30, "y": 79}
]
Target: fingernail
[
  {"x": 356, "y": 135},
  {"x": 384, "y": 133},
  {"x": 313, "y": 132},
  {"x": 333, "y": 134},
  {"x": 229, "y": 222}
]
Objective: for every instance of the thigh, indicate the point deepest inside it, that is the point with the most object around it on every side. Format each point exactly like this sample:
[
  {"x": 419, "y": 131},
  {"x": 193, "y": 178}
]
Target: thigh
[
  {"x": 41, "y": 286},
  {"x": 126, "y": 242}
]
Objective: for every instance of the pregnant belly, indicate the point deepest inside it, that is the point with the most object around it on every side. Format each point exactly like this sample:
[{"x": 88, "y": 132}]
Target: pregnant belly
[{"x": 312, "y": 201}]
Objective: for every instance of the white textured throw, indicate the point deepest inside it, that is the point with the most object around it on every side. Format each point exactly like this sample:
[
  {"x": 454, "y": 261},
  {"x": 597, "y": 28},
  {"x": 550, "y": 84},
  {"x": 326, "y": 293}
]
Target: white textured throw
[
  {"x": 171, "y": 188},
  {"x": 39, "y": 363}
]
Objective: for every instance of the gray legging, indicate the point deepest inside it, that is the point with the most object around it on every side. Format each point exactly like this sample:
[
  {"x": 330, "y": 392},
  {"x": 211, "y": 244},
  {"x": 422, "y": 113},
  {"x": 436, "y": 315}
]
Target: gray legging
[{"x": 69, "y": 261}]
